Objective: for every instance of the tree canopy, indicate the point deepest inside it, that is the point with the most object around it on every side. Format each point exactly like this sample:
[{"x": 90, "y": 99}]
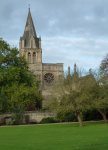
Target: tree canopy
[
  {"x": 70, "y": 95},
  {"x": 20, "y": 84}
]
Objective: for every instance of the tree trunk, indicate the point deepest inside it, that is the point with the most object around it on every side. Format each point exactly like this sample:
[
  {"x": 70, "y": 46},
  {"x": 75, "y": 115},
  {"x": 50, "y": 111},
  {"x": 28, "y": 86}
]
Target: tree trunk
[
  {"x": 79, "y": 119},
  {"x": 104, "y": 116}
]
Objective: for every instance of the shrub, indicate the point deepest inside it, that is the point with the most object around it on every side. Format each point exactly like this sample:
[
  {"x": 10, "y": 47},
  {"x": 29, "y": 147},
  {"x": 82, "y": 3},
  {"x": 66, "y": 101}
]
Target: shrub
[
  {"x": 71, "y": 118},
  {"x": 66, "y": 117},
  {"x": 17, "y": 115},
  {"x": 4, "y": 102},
  {"x": 92, "y": 114},
  {"x": 6, "y": 118},
  {"x": 47, "y": 120},
  {"x": 61, "y": 116},
  {"x": 9, "y": 121}
]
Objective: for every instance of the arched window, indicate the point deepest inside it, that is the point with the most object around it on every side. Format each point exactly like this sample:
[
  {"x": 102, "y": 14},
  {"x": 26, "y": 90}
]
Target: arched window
[
  {"x": 29, "y": 57},
  {"x": 34, "y": 57}
]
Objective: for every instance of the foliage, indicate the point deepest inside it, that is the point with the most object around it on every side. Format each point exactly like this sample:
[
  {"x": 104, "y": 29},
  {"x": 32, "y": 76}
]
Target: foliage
[
  {"x": 104, "y": 64},
  {"x": 66, "y": 117},
  {"x": 70, "y": 95},
  {"x": 88, "y": 115},
  {"x": 14, "y": 69},
  {"x": 98, "y": 93},
  {"x": 91, "y": 114},
  {"x": 47, "y": 120},
  {"x": 17, "y": 115},
  {"x": 3, "y": 101},
  {"x": 9, "y": 121},
  {"x": 21, "y": 85},
  {"x": 23, "y": 95}
]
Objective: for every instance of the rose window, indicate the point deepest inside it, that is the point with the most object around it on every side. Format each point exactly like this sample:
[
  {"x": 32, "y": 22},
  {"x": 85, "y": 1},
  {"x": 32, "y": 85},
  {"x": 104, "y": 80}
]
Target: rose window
[{"x": 48, "y": 78}]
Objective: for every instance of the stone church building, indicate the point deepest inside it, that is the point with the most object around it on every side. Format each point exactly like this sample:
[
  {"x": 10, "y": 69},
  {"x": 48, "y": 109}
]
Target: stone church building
[{"x": 30, "y": 46}]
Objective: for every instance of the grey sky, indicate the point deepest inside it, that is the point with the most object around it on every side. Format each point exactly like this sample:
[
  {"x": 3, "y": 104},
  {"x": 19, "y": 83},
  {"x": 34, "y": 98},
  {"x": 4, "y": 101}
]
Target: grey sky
[{"x": 72, "y": 31}]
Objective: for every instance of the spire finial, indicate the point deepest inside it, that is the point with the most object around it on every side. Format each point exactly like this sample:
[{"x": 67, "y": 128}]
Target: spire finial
[{"x": 29, "y": 7}]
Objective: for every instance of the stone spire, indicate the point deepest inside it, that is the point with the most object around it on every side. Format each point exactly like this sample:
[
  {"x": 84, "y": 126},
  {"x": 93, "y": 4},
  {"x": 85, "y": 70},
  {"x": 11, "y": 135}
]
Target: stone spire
[
  {"x": 29, "y": 31},
  {"x": 29, "y": 39},
  {"x": 29, "y": 28}
]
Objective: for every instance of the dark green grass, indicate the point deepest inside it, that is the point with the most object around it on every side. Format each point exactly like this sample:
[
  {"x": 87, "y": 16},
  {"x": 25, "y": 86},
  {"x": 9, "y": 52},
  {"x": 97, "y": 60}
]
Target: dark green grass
[{"x": 92, "y": 136}]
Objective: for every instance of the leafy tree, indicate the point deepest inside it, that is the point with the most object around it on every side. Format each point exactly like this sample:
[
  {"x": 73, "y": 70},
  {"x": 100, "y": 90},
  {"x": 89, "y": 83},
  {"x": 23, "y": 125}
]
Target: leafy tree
[
  {"x": 23, "y": 96},
  {"x": 104, "y": 64},
  {"x": 13, "y": 68},
  {"x": 98, "y": 93},
  {"x": 3, "y": 101},
  {"x": 69, "y": 95},
  {"x": 21, "y": 85}
]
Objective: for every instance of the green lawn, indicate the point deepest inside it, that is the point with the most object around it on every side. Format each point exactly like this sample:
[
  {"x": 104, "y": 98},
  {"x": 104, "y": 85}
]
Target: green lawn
[{"x": 92, "y": 136}]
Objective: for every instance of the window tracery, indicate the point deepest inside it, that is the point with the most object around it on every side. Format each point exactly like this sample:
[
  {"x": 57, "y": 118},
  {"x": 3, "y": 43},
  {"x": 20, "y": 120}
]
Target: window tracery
[{"x": 49, "y": 79}]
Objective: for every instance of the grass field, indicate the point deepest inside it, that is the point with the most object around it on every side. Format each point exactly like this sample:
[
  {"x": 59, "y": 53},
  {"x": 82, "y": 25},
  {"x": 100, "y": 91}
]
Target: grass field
[{"x": 92, "y": 136}]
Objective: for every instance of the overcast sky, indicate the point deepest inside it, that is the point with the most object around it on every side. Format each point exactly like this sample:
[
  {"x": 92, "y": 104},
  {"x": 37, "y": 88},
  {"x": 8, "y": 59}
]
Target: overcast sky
[{"x": 72, "y": 31}]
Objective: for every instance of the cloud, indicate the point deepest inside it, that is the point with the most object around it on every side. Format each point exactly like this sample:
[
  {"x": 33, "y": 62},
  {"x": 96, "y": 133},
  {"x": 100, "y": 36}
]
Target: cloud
[
  {"x": 72, "y": 31},
  {"x": 84, "y": 52}
]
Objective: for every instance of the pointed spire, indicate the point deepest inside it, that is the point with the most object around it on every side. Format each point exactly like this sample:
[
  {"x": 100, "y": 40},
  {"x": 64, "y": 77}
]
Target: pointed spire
[
  {"x": 29, "y": 7},
  {"x": 29, "y": 25},
  {"x": 29, "y": 31}
]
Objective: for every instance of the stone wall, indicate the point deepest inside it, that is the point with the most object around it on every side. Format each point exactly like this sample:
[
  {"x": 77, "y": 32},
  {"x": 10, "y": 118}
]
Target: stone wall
[{"x": 35, "y": 116}]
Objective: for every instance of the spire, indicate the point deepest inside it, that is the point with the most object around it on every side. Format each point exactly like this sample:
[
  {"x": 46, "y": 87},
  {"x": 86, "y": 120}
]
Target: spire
[
  {"x": 29, "y": 39},
  {"x": 30, "y": 26},
  {"x": 29, "y": 31}
]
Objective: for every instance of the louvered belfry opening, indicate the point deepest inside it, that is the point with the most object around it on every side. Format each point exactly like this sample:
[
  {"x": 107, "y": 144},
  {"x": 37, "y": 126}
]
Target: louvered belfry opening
[
  {"x": 29, "y": 57},
  {"x": 34, "y": 57}
]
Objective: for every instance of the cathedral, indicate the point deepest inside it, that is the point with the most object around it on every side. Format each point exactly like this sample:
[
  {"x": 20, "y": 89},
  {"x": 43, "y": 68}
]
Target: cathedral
[{"x": 30, "y": 46}]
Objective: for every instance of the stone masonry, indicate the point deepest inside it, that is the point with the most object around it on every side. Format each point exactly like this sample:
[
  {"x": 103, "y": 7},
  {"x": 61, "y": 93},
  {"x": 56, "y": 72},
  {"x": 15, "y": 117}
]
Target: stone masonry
[{"x": 30, "y": 46}]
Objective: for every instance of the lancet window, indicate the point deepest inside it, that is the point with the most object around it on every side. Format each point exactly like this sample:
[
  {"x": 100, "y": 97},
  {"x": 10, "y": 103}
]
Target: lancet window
[
  {"x": 29, "y": 57},
  {"x": 34, "y": 57}
]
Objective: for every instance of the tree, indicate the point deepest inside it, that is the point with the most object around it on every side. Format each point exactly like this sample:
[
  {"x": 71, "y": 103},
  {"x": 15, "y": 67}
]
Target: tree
[
  {"x": 104, "y": 64},
  {"x": 22, "y": 96},
  {"x": 98, "y": 93},
  {"x": 69, "y": 95},
  {"x": 16, "y": 77},
  {"x": 3, "y": 101},
  {"x": 13, "y": 68}
]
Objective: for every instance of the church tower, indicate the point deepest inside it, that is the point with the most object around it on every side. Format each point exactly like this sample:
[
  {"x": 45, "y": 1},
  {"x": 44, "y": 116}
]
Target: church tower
[{"x": 30, "y": 46}]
